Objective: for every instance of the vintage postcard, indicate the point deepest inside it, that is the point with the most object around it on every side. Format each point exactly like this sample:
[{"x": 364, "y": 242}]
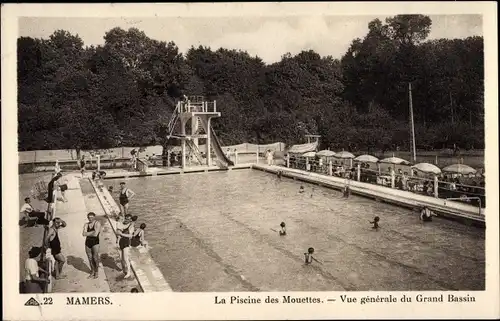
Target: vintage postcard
[{"x": 202, "y": 161}]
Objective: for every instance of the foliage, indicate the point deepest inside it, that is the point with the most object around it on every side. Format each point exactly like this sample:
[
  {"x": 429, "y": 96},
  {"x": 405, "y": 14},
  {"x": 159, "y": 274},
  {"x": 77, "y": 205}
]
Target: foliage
[{"x": 124, "y": 92}]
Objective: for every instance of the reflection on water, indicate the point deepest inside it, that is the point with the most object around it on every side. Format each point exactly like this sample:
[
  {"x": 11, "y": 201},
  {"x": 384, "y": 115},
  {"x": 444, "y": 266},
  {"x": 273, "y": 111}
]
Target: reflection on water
[{"x": 214, "y": 232}]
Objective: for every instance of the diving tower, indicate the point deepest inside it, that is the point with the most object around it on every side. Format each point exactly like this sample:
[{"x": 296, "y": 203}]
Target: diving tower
[{"x": 199, "y": 113}]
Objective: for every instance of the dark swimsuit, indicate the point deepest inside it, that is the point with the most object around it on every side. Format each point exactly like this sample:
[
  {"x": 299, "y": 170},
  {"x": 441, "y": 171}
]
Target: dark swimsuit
[
  {"x": 55, "y": 245},
  {"x": 90, "y": 241},
  {"x": 82, "y": 164},
  {"x": 426, "y": 218},
  {"x": 123, "y": 197},
  {"x": 124, "y": 241},
  {"x": 50, "y": 192},
  {"x": 136, "y": 240}
]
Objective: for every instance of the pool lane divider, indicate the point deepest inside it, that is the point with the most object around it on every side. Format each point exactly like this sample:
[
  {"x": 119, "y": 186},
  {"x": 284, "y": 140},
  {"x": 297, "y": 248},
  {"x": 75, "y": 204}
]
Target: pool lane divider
[
  {"x": 148, "y": 275},
  {"x": 452, "y": 210}
]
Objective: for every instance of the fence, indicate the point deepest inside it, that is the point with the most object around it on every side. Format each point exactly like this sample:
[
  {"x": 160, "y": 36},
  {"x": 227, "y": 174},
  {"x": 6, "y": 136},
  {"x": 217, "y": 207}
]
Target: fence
[
  {"x": 41, "y": 156},
  {"x": 424, "y": 184}
]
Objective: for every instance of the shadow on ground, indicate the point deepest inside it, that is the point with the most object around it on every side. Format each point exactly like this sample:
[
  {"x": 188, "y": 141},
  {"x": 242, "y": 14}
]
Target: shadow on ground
[
  {"x": 109, "y": 262},
  {"x": 78, "y": 263}
]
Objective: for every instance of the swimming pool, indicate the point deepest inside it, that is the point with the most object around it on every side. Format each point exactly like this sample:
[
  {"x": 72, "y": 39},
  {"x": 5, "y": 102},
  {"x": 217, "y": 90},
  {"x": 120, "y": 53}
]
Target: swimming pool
[{"x": 212, "y": 232}]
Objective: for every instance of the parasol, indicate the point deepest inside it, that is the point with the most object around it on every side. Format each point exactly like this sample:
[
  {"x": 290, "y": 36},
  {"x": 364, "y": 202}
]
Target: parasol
[
  {"x": 344, "y": 154},
  {"x": 459, "y": 169},
  {"x": 366, "y": 159},
  {"x": 326, "y": 153},
  {"x": 427, "y": 168},
  {"x": 395, "y": 161}
]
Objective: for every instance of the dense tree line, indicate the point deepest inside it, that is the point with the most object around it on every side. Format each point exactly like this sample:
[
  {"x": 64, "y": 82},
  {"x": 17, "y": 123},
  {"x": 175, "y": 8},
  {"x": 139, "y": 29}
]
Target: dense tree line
[{"x": 123, "y": 92}]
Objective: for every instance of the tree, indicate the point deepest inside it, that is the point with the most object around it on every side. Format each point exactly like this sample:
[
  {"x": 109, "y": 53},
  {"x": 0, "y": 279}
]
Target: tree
[
  {"x": 408, "y": 30},
  {"x": 125, "y": 91}
]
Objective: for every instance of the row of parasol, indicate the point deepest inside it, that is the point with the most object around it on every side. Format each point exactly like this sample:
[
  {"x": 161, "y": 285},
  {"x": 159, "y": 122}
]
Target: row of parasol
[{"x": 423, "y": 167}]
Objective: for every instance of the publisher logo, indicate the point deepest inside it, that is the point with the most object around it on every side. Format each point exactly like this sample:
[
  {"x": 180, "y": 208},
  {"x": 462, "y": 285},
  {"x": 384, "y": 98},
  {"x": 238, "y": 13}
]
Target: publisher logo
[{"x": 32, "y": 302}]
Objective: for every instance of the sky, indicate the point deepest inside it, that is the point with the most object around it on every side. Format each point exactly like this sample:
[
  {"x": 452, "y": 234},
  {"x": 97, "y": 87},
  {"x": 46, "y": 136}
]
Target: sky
[{"x": 266, "y": 37}]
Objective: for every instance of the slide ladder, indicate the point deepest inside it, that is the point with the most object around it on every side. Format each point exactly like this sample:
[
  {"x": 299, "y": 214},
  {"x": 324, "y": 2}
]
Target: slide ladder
[
  {"x": 173, "y": 120},
  {"x": 200, "y": 125},
  {"x": 195, "y": 150}
]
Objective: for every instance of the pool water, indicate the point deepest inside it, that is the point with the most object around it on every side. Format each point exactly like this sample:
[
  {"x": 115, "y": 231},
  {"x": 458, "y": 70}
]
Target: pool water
[{"x": 214, "y": 232}]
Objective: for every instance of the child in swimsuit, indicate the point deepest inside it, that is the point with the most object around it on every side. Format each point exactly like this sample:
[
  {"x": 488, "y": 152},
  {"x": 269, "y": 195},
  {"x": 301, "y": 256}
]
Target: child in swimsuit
[
  {"x": 375, "y": 222},
  {"x": 347, "y": 191},
  {"x": 138, "y": 238},
  {"x": 308, "y": 256},
  {"x": 283, "y": 229}
]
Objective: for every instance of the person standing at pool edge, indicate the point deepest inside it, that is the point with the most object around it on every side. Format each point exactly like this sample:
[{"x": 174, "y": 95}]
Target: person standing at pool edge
[
  {"x": 52, "y": 241},
  {"x": 91, "y": 231},
  {"x": 125, "y": 231},
  {"x": 82, "y": 164},
  {"x": 126, "y": 195}
]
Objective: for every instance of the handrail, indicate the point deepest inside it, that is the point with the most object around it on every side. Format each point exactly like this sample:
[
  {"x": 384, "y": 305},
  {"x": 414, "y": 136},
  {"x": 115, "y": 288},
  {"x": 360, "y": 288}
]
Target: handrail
[
  {"x": 465, "y": 198},
  {"x": 196, "y": 151},
  {"x": 443, "y": 192},
  {"x": 173, "y": 119},
  {"x": 197, "y": 106}
]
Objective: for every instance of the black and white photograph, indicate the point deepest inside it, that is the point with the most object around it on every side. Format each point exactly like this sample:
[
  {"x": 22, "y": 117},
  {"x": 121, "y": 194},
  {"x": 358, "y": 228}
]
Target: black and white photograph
[{"x": 245, "y": 154}]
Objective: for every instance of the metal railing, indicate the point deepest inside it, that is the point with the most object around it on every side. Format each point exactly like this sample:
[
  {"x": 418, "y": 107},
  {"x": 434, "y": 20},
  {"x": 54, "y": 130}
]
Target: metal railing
[
  {"x": 465, "y": 198},
  {"x": 198, "y": 107},
  {"x": 429, "y": 186},
  {"x": 173, "y": 120},
  {"x": 195, "y": 150}
]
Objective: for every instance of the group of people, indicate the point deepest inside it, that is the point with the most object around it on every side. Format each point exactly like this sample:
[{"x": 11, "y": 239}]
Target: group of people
[
  {"x": 49, "y": 257},
  {"x": 127, "y": 234},
  {"x": 53, "y": 261},
  {"x": 230, "y": 154},
  {"x": 50, "y": 251}
]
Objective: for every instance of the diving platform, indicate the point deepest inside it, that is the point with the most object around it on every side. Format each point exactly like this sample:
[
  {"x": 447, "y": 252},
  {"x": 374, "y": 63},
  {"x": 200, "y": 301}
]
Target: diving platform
[
  {"x": 195, "y": 136},
  {"x": 197, "y": 112}
]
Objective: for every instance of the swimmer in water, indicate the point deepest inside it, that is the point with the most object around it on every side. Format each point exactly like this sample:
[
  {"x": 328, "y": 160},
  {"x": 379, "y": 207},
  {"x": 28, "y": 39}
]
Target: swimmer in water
[
  {"x": 312, "y": 192},
  {"x": 375, "y": 222},
  {"x": 309, "y": 256},
  {"x": 301, "y": 189},
  {"x": 280, "y": 174},
  {"x": 283, "y": 229},
  {"x": 426, "y": 214},
  {"x": 347, "y": 191}
]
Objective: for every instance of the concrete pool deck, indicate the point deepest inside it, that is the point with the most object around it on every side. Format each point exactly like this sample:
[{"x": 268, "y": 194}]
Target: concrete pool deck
[
  {"x": 74, "y": 213},
  {"x": 449, "y": 209}
]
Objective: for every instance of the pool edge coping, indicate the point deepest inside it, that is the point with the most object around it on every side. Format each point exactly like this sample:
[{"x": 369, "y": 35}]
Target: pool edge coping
[{"x": 139, "y": 273}]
